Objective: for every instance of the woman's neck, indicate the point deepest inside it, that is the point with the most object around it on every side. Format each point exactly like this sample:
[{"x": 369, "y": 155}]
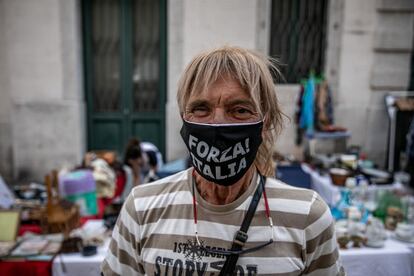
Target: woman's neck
[{"x": 217, "y": 194}]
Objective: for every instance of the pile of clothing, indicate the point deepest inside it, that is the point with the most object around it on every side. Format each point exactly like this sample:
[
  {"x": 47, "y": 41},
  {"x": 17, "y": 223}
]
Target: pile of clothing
[{"x": 314, "y": 108}]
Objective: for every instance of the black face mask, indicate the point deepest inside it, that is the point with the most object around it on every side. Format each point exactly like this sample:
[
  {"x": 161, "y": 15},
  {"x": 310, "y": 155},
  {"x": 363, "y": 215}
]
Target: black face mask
[{"x": 222, "y": 153}]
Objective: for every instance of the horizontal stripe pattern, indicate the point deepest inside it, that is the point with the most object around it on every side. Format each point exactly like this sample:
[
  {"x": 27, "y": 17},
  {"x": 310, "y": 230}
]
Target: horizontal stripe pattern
[
  {"x": 107, "y": 270},
  {"x": 174, "y": 183},
  {"x": 155, "y": 232},
  {"x": 278, "y": 248},
  {"x": 123, "y": 256},
  {"x": 185, "y": 211},
  {"x": 163, "y": 200},
  {"x": 324, "y": 261},
  {"x": 113, "y": 266},
  {"x": 327, "y": 234}
]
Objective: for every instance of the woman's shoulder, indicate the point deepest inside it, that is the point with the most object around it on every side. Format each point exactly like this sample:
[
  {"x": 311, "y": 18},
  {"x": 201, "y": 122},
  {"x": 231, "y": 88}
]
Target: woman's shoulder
[
  {"x": 150, "y": 201},
  {"x": 291, "y": 192},
  {"x": 305, "y": 202},
  {"x": 167, "y": 185}
]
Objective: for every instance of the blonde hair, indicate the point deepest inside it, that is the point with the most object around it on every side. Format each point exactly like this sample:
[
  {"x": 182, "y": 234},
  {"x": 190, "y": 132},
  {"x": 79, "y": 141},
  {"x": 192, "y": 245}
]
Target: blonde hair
[{"x": 253, "y": 72}]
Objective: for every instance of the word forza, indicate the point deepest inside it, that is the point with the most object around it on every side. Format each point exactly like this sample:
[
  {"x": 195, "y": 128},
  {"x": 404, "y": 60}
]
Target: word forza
[{"x": 208, "y": 156}]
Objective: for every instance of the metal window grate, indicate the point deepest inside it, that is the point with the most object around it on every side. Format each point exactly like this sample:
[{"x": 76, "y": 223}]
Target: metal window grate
[
  {"x": 106, "y": 55},
  {"x": 146, "y": 49},
  {"x": 298, "y": 37}
]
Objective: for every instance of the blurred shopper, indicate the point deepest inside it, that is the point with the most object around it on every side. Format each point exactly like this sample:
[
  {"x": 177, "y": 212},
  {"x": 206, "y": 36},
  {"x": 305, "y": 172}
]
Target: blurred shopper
[
  {"x": 153, "y": 167},
  {"x": 134, "y": 161},
  {"x": 410, "y": 153}
]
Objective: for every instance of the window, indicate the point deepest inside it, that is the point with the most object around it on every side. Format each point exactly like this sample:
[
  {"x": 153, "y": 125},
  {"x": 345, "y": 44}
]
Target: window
[{"x": 298, "y": 37}]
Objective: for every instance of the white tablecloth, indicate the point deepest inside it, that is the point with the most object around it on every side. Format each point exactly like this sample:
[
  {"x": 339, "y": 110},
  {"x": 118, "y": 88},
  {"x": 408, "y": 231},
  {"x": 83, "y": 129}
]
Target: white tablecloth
[
  {"x": 395, "y": 259},
  {"x": 77, "y": 265},
  {"x": 331, "y": 193}
]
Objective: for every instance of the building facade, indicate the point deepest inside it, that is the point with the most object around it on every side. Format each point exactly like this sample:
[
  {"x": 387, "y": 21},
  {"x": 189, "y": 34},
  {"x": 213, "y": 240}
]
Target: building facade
[{"x": 44, "y": 115}]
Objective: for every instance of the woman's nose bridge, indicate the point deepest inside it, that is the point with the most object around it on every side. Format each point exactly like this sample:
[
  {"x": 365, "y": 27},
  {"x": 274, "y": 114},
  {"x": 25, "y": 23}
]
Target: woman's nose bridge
[{"x": 218, "y": 116}]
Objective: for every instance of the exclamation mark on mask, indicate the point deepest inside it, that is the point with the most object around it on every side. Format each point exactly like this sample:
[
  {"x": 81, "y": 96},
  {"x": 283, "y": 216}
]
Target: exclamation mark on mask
[{"x": 247, "y": 145}]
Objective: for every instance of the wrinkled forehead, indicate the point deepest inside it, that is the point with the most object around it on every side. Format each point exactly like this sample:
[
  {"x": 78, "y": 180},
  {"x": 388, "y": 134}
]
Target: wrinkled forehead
[
  {"x": 204, "y": 86},
  {"x": 227, "y": 80}
]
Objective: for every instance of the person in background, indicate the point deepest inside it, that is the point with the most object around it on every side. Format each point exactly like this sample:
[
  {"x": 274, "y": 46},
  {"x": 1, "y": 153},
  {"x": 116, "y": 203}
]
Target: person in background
[
  {"x": 187, "y": 223},
  {"x": 409, "y": 151},
  {"x": 133, "y": 162},
  {"x": 153, "y": 167},
  {"x": 149, "y": 148}
]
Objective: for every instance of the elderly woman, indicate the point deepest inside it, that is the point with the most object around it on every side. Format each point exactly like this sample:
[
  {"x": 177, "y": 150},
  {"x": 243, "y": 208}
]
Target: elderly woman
[{"x": 226, "y": 215}]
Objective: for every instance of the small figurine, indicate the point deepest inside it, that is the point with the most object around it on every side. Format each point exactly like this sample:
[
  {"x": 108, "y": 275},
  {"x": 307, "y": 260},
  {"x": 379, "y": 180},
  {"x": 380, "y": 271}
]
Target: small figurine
[{"x": 394, "y": 216}]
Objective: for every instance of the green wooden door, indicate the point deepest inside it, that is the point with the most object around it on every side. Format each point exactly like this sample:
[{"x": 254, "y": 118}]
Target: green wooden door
[{"x": 125, "y": 77}]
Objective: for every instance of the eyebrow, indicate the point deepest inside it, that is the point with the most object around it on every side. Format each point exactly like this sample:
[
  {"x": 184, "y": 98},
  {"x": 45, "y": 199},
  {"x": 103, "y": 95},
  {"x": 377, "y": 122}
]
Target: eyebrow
[
  {"x": 242, "y": 102},
  {"x": 197, "y": 103},
  {"x": 201, "y": 102}
]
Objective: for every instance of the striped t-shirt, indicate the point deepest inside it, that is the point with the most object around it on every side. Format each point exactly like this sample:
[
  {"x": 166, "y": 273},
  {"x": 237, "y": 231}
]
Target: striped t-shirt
[{"x": 154, "y": 234}]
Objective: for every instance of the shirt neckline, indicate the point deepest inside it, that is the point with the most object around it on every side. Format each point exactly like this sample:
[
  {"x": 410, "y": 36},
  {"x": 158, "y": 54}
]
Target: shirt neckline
[{"x": 226, "y": 207}]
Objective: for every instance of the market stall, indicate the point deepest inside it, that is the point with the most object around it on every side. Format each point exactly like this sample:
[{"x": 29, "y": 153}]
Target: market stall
[
  {"x": 81, "y": 263},
  {"x": 322, "y": 183},
  {"x": 380, "y": 245},
  {"x": 395, "y": 258}
]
